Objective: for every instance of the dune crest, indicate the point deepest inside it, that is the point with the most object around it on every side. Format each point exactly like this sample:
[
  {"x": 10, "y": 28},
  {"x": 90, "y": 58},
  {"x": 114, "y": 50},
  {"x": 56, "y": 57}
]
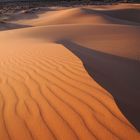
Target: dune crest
[{"x": 46, "y": 90}]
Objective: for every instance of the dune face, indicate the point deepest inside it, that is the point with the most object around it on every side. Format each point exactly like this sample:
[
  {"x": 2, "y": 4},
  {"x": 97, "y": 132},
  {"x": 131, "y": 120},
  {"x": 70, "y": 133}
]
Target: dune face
[{"x": 73, "y": 75}]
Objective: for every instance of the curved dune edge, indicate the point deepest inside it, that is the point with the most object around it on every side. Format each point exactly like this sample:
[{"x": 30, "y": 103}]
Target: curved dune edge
[
  {"x": 117, "y": 14},
  {"x": 47, "y": 94}
]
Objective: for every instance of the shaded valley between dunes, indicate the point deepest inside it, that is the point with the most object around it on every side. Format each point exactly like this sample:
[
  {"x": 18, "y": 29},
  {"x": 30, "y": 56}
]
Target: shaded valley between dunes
[
  {"x": 115, "y": 74},
  {"x": 71, "y": 74}
]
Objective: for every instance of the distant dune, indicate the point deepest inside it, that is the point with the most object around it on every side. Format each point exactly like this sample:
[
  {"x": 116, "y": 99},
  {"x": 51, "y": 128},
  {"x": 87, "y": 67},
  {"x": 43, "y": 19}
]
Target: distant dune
[{"x": 71, "y": 74}]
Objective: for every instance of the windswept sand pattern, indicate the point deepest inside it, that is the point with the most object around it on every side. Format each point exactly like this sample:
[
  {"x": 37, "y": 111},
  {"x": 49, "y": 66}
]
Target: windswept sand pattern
[
  {"x": 48, "y": 96},
  {"x": 46, "y": 93}
]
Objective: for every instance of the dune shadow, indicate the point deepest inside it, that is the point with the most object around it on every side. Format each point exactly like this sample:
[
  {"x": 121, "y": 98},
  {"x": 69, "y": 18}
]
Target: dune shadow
[
  {"x": 10, "y": 26},
  {"x": 120, "y": 76},
  {"x": 125, "y": 14},
  {"x": 32, "y": 13},
  {"x": 118, "y": 16}
]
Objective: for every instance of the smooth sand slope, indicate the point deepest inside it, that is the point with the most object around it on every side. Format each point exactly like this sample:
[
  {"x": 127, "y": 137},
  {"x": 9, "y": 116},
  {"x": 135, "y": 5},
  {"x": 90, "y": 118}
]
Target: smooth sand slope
[{"x": 73, "y": 75}]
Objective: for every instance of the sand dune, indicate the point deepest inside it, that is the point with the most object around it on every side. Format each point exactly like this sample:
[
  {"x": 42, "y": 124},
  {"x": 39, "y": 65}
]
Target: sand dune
[
  {"x": 122, "y": 14},
  {"x": 8, "y": 26},
  {"x": 62, "y": 79},
  {"x": 82, "y": 16}
]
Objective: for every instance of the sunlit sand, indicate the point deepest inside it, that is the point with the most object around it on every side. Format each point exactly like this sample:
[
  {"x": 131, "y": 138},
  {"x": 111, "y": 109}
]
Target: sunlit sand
[{"x": 63, "y": 70}]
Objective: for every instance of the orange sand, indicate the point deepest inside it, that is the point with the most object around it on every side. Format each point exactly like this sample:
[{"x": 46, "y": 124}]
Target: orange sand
[{"x": 45, "y": 91}]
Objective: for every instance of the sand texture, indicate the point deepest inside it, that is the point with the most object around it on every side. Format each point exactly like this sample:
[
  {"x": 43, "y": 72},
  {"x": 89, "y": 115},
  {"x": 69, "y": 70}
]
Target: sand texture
[{"x": 71, "y": 74}]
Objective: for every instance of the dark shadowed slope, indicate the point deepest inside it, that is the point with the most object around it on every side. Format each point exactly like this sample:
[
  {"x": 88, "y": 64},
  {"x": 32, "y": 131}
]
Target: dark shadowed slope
[
  {"x": 9, "y": 26},
  {"x": 117, "y": 16},
  {"x": 120, "y": 76}
]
